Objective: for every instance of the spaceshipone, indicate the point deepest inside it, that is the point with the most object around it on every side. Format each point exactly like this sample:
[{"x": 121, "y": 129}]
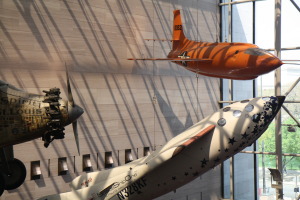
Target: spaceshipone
[
  {"x": 239, "y": 61},
  {"x": 185, "y": 157}
]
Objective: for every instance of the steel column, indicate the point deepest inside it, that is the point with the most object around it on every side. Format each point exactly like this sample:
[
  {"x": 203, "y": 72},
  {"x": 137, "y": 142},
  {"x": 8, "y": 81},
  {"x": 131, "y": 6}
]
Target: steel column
[{"x": 278, "y": 134}]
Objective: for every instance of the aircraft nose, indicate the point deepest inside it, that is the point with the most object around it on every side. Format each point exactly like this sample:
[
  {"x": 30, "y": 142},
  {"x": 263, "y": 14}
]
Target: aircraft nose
[
  {"x": 74, "y": 113},
  {"x": 269, "y": 63},
  {"x": 274, "y": 63}
]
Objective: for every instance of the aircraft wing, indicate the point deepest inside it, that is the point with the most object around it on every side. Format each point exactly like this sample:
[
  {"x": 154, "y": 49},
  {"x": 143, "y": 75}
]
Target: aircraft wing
[
  {"x": 173, "y": 59},
  {"x": 3, "y": 83}
]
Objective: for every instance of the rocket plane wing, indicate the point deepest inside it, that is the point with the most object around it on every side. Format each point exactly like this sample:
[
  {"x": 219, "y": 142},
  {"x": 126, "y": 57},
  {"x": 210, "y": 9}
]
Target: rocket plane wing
[{"x": 173, "y": 59}]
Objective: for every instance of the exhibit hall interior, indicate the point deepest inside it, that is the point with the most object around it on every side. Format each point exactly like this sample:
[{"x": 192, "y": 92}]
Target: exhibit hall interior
[{"x": 149, "y": 99}]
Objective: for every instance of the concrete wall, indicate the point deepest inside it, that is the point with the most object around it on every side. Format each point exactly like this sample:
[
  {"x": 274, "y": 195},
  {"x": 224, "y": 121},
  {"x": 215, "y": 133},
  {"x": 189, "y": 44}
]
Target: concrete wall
[{"x": 128, "y": 105}]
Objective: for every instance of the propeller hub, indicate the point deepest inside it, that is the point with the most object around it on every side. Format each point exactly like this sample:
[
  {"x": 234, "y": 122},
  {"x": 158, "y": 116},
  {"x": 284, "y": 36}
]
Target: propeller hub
[{"x": 74, "y": 112}]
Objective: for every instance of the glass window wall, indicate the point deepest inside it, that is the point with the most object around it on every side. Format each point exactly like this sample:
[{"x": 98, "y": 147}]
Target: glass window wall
[{"x": 254, "y": 23}]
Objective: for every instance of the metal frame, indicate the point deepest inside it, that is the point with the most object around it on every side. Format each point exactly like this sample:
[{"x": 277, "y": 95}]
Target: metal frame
[
  {"x": 295, "y": 101},
  {"x": 292, "y": 116},
  {"x": 238, "y": 2},
  {"x": 271, "y": 153},
  {"x": 296, "y": 5}
]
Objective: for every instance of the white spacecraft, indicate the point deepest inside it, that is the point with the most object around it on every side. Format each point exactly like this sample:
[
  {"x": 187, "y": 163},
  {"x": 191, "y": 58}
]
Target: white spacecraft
[{"x": 185, "y": 157}]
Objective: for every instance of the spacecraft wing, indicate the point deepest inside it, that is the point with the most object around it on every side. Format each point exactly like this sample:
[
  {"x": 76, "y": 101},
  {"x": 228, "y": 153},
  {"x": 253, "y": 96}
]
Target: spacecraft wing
[
  {"x": 153, "y": 161},
  {"x": 193, "y": 139}
]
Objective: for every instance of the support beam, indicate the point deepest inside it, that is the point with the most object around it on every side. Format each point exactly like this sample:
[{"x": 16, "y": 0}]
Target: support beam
[
  {"x": 229, "y": 22},
  {"x": 230, "y": 97},
  {"x": 296, "y": 5},
  {"x": 237, "y": 2},
  {"x": 278, "y": 133},
  {"x": 292, "y": 116},
  {"x": 295, "y": 101},
  {"x": 287, "y": 48},
  {"x": 292, "y": 87},
  {"x": 270, "y": 153}
]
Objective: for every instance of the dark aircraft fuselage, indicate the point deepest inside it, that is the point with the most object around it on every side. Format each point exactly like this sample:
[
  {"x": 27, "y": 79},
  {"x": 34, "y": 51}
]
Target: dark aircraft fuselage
[{"x": 25, "y": 116}]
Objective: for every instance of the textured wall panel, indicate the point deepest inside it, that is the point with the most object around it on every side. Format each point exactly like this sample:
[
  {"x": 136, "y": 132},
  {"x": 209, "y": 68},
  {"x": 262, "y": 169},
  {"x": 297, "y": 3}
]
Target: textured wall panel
[{"x": 128, "y": 105}]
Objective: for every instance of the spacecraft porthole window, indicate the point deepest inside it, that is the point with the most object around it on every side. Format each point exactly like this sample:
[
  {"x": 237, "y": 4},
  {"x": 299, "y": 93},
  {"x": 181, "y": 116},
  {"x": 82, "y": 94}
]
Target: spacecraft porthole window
[
  {"x": 226, "y": 109},
  {"x": 249, "y": 107},
  {"x": 237, "y": 113},
  {"x": 222, "y": 122},
  {"x": 255, "y": 118},
  {"x": 245, "y": 101},
  {"x": 266, "y": 98}
]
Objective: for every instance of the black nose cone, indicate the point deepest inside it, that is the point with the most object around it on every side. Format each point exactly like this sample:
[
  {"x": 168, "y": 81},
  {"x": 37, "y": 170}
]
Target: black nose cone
[
  {"x": 74, "y": 113},
  {"x": 280, "y": 101}
]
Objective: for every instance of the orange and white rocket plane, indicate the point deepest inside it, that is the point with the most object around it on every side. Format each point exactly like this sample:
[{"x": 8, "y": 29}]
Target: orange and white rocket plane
[{"x": 239, "y": 61}]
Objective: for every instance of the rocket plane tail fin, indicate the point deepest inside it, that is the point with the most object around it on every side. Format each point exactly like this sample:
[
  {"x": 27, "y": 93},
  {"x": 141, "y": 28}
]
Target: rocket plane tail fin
[{"x": 178, "y": 34}]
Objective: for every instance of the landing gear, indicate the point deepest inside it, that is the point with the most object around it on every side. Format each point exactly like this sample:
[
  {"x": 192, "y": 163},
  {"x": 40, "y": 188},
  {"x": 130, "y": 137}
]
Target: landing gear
[
  {"x": 14, "y": 176},
  {"x": 12, "y": 171}
]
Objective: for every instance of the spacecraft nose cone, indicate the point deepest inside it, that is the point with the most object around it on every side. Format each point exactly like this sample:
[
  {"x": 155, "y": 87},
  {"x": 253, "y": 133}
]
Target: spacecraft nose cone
[
  {"x": 280, "y": 101},
  {"x": 74, "y": 113},
  {"x": 272, "y": 106}
]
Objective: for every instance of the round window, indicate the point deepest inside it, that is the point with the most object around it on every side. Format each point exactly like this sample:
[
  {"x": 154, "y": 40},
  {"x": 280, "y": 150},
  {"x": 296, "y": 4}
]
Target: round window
[
  {"x": 245, "y": 101},
  {"x": 255, "y": 118},
  {"x": 249, "y": 108},
  {"x": 221, "y": 122},
  {"x": 226, "y": 109},
  {"x": 237, "y": 113},
  {"x": 266, "y": 98}
]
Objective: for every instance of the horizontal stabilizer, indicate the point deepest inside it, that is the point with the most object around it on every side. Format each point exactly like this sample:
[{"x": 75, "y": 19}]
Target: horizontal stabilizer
[
  {"x": 168, "y": 40},
  {"x": 104, "y": 192},
  {"x": 173, "y": 59}
]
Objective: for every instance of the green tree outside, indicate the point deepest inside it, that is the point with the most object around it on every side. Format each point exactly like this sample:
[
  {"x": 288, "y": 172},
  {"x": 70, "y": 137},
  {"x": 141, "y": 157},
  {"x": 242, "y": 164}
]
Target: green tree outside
[{"x": 290, "y": 144}]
